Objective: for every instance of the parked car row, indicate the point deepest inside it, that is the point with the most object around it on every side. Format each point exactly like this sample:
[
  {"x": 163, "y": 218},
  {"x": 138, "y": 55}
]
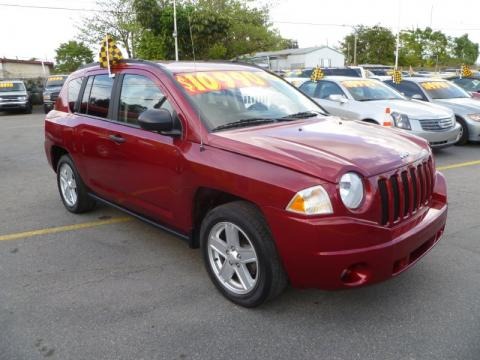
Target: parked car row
[
  {"x": 436, "y": 109},
  {"x": 16, "y": 95}
]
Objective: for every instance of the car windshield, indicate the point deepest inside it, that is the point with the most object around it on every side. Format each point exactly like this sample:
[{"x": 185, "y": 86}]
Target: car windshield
[
  {"x": 468, "y": 84},
  {"x": 244, "y": 98},
  {"x": 443, "y": 90},
  {"x": 370, "y": 90},
  {"x": 55, "y": 81},
  {"x": 6, "y": 86}
]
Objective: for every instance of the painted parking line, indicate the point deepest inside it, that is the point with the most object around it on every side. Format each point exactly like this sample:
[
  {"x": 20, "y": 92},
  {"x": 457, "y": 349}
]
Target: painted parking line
[
  {"x": 459, "y": 165},
  {"x": 58, "y": 229}
]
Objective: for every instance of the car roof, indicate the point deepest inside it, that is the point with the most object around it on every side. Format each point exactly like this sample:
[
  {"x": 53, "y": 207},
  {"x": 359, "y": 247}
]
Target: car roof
[
  {"x": 337, "y": 78},
  {"x": 190, "y": 66},
  {"x": 423, "y": 79}
]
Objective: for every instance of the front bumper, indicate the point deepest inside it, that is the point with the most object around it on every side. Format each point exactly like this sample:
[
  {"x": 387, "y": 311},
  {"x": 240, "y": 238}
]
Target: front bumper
[
  {"x": 14, "y": 105},
  {"x": 473, "y": 130},
  {"x": 320, "y": 252},
  {"x": 438, "y": 139}
]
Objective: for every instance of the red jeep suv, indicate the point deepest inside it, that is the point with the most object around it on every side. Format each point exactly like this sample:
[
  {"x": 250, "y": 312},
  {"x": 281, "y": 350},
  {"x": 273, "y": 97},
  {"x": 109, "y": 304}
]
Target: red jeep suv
[{"x": 243, "y": 165}]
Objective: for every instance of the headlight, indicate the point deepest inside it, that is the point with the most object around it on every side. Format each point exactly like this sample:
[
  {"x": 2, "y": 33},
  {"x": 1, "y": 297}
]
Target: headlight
[
  {"x": 46, "y": 96},
  {"x": 401, "y": 121},
  {"x": 311, "y": 201},
  {"x": 22, "y": 98},
  {"x": 351, "y": 190},
  {"x": 474, "y": 117}
]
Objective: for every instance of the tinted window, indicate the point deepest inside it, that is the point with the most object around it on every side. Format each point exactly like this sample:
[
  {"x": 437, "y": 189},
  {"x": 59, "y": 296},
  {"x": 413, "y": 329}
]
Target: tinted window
[
  {"x": 342, "y": 72},
  {"x": 309, "y": 88},
  {"x": 443, "y": 90},
  {"x": 407, "y": 88},
  {"x": 327, "y": 88},
  {"x": 86, "y": 95},
  {"x": 468, "y": 84},
  {"x": 73, "y": 92},
  {"x": 370, "y": 90},
  {"x": 100, "y": 94},
  {"x": 138, "y": 94}
]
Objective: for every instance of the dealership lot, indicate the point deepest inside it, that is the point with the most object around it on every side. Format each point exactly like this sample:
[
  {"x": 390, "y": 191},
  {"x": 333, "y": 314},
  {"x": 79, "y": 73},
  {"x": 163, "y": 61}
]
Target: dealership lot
[{"x": 111, "y": 287}]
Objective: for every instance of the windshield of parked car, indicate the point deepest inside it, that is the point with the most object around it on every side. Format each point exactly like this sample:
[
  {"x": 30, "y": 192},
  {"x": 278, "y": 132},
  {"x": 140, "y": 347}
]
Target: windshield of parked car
[
  {"x": 244, "y": 98},
  {"x": 55, "y": 81},
  {"x": 443, "y": 90},
  {"x": 468, "y": 84},
  {"x": 6, "y": 86},
  {"x": 370, "y": 90}
]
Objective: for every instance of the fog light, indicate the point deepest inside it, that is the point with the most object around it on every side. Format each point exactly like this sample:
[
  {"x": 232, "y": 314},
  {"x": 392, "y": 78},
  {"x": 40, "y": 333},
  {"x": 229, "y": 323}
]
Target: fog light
[{"x": 355, "y": 275}]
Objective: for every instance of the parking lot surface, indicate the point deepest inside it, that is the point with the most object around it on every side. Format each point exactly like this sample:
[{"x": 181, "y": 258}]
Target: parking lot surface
[{"x": 106, "y": 286}]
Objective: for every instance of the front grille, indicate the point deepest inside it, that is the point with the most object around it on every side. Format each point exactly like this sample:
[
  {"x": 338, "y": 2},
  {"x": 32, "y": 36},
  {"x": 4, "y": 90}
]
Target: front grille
[
  {"x": 437, "y": 124},
  {"x": 9, "y": 97},
  {"x": 405, "y": 192}
]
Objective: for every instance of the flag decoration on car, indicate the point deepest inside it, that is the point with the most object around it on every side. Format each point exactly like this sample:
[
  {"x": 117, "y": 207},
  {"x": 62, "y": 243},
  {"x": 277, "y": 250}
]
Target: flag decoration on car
[
  {"x": 317, "y": 74},
  {"x": 109, "y": 54},
  {"x": 397, "y": 76},
  {"x": 465, "y": 71}
]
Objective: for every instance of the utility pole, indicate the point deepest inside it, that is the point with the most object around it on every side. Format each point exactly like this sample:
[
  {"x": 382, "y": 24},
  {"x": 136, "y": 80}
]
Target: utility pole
[
  {"x": 355, "y": 50},
  {"x": 398, "y": 36},
  {"x": 175, "y": 35}
]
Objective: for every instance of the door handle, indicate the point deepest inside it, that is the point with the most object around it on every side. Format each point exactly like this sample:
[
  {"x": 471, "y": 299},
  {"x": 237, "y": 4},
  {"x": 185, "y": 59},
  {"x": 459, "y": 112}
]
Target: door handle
[{"x": 116, "y": 138}]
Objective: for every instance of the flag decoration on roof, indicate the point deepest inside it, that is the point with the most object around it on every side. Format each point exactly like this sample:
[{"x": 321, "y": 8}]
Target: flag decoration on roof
[
  {"x": 109, "y": 54},
  {"x": 397, "y": 76},
  {"x": 317, "y": 74},
  {"x": 465, "y": 71}
]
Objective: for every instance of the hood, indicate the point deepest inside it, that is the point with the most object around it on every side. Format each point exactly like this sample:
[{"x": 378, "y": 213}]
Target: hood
[
  {"x": 325, "y": 147},
  {"x": 461, "y": 105},
  {"x": 415, "y": 109}
]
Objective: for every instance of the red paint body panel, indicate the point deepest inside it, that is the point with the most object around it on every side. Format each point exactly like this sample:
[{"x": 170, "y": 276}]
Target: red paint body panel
[{"x": 159, "y": 176}]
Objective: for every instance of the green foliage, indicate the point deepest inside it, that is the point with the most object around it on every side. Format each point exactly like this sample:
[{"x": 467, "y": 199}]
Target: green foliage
[
  {"x": 465, "y": 50},
  {"x": 218, "y": 29},
  {"x": 375, "y": 45},
  {"x": 71, "y": 55},
  {"x": 418, "y": 47}
]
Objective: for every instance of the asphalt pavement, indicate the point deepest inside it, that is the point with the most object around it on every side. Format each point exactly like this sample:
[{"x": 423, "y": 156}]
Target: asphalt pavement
[{"x": 126, "y": 290}]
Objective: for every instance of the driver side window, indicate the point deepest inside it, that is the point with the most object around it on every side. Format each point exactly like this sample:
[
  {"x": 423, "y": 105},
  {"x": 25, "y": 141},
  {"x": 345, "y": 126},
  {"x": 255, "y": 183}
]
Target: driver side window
[
  {"x": 327, "y": 88},
  {"x": 139, "y": 93}
]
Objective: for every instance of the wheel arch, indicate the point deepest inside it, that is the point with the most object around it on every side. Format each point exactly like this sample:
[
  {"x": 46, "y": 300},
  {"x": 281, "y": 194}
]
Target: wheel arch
[
  {"x": 56, "y": 153},
  {"x": 371, "y": 121},
  {"x": 204, "y": 200}
]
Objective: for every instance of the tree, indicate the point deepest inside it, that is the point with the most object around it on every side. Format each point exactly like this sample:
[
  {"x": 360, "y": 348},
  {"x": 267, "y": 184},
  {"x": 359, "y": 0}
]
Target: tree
[
  {"x": 375, "y": 45},
  {"x": 210, "y": 29},
  {"x": 72, "y": 55},
  {"x": 465, "y": 50},
  {"x": 423, "y": 47},
  {"x": 117, "y": 18}
]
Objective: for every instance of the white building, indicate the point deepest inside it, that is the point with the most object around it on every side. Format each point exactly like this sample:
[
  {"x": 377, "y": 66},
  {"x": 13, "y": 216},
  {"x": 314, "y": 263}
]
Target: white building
[
  {"x": 322, "y": 56},
  {"x": 24, "y": 69}
]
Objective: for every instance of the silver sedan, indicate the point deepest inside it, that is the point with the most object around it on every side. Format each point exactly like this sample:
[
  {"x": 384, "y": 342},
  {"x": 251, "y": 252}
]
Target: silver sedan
[
  {"x": 372, "y": 101},
  {"x": 446, "y": 93}
]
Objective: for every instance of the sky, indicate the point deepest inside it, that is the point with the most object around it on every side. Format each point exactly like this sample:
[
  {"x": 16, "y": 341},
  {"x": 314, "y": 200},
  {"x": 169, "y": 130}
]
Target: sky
[{"x": 31, "y": 32}]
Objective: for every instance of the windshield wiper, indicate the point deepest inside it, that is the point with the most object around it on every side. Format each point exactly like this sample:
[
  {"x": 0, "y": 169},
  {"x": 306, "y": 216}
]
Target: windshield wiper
[
  {"x": 302, "y": 115},
  {"x": 244, "y": 122}
]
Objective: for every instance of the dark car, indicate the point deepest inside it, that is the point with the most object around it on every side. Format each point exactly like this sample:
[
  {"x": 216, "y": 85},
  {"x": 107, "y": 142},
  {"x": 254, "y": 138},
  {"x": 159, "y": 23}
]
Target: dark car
[
  {"x": 240, "y": 163},
  {"x": 53, "y": 85},
  {"x": 469, "y": 84}
]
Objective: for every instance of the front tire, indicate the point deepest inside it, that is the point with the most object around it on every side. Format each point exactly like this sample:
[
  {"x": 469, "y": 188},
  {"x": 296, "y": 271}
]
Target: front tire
[
  {"x": 240, "y": 254},
  {"x": 73, "y": 191},
  {"x": 464, "y": 133}
]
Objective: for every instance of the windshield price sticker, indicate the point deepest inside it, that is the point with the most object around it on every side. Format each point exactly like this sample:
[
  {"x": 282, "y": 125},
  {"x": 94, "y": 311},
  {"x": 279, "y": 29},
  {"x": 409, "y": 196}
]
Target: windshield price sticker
[
  {"x": 6, "y": 85},
  {"x": 360, "y": 83},
  {"x": 202, "y": 82},
  {"x": 433, "y": 85},
  {"x": 55, "y": 78}
]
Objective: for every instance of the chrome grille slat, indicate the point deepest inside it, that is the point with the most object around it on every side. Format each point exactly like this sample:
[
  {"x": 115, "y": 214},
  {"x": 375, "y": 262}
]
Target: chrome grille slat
[{"x": 437, "y": 124}]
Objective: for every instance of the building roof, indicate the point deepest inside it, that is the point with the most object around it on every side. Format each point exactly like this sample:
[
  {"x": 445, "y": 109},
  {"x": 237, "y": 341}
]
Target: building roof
[
  {"x": 288, "y": 52},
  {"x": 28, "y": 62}
]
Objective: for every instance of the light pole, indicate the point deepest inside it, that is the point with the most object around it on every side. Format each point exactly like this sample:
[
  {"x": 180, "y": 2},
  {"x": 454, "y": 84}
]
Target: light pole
[
  {"x": 175, "y": 35},
  {"x": 355, "y": 49}
]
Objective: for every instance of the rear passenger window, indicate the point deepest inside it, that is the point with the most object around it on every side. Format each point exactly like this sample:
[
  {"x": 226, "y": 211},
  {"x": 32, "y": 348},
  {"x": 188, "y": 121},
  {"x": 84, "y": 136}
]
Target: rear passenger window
[
  {"x": 138, "y": 94},
  {"x": 97, "y": 96},
  {"x": 73, "y": 91}
]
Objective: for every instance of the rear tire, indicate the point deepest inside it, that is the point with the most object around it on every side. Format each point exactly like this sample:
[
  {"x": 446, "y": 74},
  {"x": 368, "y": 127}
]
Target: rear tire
[
  {"x": 73, "y": 191},
  {"x": 464, "y": 131},
  {"x": 240, "y": 254},
  {"x": 28, "y": 110}
]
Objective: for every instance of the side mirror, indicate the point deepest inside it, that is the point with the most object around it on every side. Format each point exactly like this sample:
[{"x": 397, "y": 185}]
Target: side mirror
[
  {"x": 338, "y": 98},
  {"x": 159, "y": 120}
]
